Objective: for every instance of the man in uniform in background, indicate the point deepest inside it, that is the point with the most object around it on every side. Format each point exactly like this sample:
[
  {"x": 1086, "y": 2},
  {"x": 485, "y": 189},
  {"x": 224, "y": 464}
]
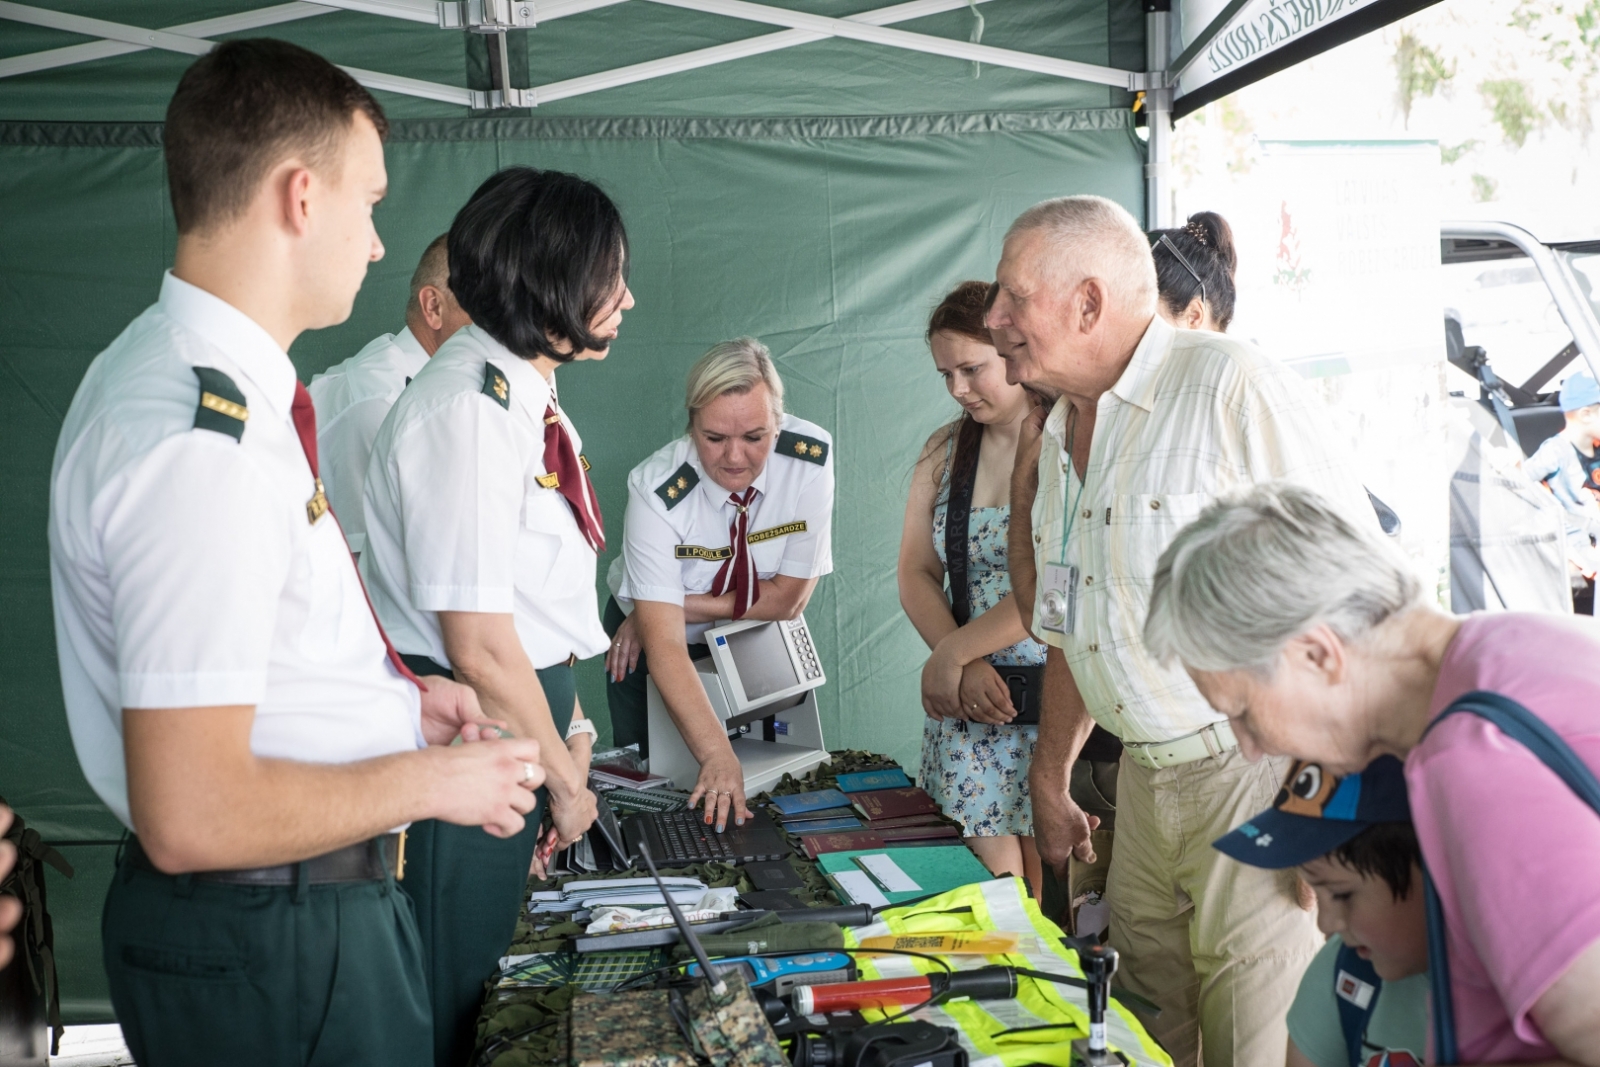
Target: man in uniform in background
[
  {"x": 231, "y": 697},
  {"x": 353, "y": 397}
]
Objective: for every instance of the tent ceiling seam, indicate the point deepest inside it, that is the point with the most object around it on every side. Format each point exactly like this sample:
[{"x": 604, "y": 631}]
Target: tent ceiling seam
[{"x": 15, "y": 134}]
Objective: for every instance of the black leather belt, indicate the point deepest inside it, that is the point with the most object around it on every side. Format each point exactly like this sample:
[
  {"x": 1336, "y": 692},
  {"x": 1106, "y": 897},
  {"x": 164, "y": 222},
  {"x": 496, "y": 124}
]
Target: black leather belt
[{"x": 364, "y": 861}]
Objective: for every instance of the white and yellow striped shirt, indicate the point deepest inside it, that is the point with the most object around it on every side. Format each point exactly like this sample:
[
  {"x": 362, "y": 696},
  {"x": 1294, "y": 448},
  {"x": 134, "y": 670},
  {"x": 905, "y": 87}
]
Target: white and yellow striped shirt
[{"x": 1193, "y": 416}]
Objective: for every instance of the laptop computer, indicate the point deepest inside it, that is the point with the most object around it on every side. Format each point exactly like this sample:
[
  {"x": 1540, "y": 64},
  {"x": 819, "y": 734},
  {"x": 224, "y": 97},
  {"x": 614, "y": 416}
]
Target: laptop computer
[{"x": 679, "y": 838}]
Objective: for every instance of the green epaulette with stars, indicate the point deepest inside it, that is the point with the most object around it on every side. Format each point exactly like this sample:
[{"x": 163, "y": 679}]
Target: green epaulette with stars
[
  {"x": 495, "y": 385},
  {"x": 222, "y": 406},
  {"x": 674, "y": 489},
  {"x": 800, "y": 446}
]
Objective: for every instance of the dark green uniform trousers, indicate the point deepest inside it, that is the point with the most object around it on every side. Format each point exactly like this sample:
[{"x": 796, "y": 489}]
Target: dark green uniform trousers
[
  {"x": 469, "y": 888},
  {"x": 209, "y": 974},
  {"x": 628, "y": 700}
]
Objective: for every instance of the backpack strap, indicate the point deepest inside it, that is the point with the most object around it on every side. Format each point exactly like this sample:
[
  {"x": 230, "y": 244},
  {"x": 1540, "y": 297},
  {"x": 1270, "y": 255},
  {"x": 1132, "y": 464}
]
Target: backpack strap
[
  {"x": 1355, "y": 987},
  {"x": 1533, "y": 733}
]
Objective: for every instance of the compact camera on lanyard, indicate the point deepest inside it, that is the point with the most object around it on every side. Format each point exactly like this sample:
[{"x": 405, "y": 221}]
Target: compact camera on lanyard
[{"x": 1058, "y": 598}]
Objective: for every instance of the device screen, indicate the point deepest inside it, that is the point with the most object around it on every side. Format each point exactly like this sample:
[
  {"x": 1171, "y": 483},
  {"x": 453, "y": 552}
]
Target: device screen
[{"x": 762, "y": 659}]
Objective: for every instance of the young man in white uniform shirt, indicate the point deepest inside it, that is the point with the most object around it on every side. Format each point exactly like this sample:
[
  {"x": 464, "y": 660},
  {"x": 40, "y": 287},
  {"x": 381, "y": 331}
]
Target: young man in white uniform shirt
[
  {"x": 482, "y": 540},
  {"x": 681, "y": 565},
  {"x": 230, "y": 695},
  {"x": 1152, "y": 424},
  {"x": 353, "y": 397}
]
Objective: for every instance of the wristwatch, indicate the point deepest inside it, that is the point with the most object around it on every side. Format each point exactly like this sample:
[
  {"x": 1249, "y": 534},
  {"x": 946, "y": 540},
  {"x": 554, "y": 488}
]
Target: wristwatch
[{"x": 582, "y": 726}]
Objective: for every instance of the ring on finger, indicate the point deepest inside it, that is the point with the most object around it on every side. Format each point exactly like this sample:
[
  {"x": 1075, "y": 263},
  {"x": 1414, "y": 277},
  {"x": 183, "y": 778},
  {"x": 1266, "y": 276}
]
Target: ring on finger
[{"x": 528, "y": 773}]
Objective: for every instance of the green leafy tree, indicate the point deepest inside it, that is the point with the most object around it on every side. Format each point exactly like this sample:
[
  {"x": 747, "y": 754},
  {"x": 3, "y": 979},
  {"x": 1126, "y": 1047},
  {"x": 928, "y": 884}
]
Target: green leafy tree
[
  {"x": 1420, "y": 72},
  {"x": 1511, "y": 103}
]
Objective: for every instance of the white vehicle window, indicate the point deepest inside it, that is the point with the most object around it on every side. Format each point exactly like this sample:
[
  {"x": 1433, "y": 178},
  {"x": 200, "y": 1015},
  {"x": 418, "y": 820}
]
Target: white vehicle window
[
  {"x": 1586, "y": 269},
  {"x": 1506, "y": 309}
]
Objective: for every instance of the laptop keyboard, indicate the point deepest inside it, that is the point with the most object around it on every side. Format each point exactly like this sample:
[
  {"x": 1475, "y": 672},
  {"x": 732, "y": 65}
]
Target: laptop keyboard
[{"x": 687, "y": 839}]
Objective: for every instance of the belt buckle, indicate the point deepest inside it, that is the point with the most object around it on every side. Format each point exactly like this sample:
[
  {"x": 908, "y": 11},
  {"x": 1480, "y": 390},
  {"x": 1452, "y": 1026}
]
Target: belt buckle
[
  {"x": 1143, "y": 753},
  {"x": 1208, "y": 737}
]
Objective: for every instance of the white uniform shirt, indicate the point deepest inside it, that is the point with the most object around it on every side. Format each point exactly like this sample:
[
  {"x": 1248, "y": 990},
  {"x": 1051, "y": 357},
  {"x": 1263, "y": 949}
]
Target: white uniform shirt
[
  {"x": 1193, "y": 416},
  {"x": 675, "y": 533},
  {"x": 184, "y": 569},
  {"x": 457, "y": 519},
  {"x": 351, "y": 399}
]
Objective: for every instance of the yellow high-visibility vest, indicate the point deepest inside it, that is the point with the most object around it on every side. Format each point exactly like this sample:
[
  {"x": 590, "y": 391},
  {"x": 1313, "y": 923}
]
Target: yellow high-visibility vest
[{"x": 1040, "y": 1025}]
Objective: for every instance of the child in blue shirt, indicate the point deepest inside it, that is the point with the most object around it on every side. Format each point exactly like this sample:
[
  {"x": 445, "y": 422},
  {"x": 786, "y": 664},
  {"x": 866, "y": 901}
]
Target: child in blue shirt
[{"x": 1363, "y": 1002}]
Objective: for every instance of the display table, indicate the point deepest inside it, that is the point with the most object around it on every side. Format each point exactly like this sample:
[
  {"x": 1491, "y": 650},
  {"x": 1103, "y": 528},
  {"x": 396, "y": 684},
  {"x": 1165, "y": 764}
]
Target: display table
[
  {"x": 527, "y": 1015},
  {"x": 523, "y": 1025}
]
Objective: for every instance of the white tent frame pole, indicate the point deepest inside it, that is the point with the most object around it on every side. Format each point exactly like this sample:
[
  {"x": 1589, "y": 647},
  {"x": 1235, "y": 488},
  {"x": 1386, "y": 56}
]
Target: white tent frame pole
[
  {"x": 87, "y": 53},
  {"x": 724, "y": 53},
  {"x": 194, "y": 46},
  {"x": 52, "y": 58},
  {"x": 1158, "y": 119},
  {"x": 428, "y": 10},
  {"x": 412, "y": 11},
  {"x": 870, "y": 27},
  {"x": 915, "y": 42}
]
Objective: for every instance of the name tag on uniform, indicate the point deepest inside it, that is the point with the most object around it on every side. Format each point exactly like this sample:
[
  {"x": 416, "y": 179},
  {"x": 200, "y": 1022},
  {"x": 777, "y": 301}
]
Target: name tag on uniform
[
  {"x": 1058, "y": 598},
  {"x": 715, "y": 555}
]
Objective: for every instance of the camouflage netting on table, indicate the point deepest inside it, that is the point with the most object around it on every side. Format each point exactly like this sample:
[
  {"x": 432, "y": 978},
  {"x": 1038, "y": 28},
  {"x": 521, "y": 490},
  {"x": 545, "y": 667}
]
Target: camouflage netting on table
[{"x": 526, "y": 1026}]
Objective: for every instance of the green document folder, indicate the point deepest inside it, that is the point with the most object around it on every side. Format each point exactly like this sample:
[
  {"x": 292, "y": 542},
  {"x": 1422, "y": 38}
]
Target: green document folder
[{"x": 936, "y": 868}]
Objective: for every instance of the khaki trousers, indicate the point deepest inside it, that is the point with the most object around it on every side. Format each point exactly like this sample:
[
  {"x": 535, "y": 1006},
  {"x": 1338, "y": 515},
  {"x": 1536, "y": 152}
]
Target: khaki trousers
[{"x": 1218, "y": 945}]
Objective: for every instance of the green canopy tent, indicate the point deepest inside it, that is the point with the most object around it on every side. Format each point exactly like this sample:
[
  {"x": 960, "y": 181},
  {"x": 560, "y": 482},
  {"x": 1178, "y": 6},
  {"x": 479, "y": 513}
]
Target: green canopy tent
[{"x": 816, "y": 175}]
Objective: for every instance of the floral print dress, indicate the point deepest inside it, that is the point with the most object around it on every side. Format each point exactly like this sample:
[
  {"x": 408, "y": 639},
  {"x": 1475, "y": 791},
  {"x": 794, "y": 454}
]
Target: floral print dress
[{"x": 978, "y": 772}]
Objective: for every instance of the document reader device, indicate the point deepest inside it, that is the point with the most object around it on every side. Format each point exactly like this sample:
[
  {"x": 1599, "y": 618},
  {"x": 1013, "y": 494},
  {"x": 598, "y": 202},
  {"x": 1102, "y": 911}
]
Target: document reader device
[{"x": 762, "y": 679}]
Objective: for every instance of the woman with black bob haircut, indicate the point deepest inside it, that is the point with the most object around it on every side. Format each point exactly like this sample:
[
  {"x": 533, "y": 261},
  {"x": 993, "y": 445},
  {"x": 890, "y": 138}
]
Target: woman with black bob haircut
[
  {"x": 534, "y": 257},
  {"x": 1195, "y": 268},
  {"x": 483, "y": 534}
]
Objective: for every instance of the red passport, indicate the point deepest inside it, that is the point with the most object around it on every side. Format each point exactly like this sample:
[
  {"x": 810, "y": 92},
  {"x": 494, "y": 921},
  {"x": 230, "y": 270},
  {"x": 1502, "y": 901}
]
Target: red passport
[
  {"x": 905, "y": 835},
  {"x": 816, "y": 844},
  {"x": 893, "y": 803}
]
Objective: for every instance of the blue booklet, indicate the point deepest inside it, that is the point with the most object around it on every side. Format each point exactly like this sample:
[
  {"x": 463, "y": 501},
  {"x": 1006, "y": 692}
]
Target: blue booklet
[
  {"x": 800, "y": 803},
  {"x": 824, "y": 813},
  {"x": 866, "y": 781},
  {"x": 822, "y": 826}
]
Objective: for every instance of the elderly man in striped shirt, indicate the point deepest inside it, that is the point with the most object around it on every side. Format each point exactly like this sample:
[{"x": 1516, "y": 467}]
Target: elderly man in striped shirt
[{"x": 1152, "y": 424}]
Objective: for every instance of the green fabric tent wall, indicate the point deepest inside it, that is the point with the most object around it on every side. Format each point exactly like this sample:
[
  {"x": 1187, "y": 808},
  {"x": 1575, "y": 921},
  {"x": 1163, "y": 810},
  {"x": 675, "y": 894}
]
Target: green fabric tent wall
[{"x": 821, "y": 198}]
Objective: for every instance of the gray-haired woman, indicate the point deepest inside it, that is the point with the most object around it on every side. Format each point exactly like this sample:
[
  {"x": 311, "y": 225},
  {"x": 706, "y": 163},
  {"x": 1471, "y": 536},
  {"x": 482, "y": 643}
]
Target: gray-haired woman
[
  {"x": 1314, "y": 638},
  {"x": 752, "y": 488}
]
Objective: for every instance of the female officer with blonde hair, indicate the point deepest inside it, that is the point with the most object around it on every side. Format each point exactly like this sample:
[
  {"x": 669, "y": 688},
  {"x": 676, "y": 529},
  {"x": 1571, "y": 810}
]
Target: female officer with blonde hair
[{"x": 730, "y": 521}]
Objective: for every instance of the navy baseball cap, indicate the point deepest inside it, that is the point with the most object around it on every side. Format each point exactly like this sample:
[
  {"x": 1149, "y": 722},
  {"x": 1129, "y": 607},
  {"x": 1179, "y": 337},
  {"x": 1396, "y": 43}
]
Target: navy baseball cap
[{"x": 1316, "y": 812}]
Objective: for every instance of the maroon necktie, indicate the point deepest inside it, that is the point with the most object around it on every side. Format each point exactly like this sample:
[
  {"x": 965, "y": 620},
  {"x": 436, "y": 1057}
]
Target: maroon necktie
[
  {"x": 305, "y": 424},
  {"x": 738, "y": 571},
  {"x": 569, "y": 476}
]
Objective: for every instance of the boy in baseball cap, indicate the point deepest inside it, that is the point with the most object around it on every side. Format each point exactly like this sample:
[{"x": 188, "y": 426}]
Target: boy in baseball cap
[
  {"x": 1352, "y": 841},
  {"x": 1569, "y": 464}
]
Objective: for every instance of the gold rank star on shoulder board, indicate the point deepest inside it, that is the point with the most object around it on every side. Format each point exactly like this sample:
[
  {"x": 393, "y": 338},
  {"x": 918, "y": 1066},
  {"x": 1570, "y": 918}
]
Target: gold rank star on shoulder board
[
  {"x": 222, "y": 406},
  {"x": 674, "y": 489},
  {"x": 799, "y": 446},
  {"x": 495, "y": 385}
]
